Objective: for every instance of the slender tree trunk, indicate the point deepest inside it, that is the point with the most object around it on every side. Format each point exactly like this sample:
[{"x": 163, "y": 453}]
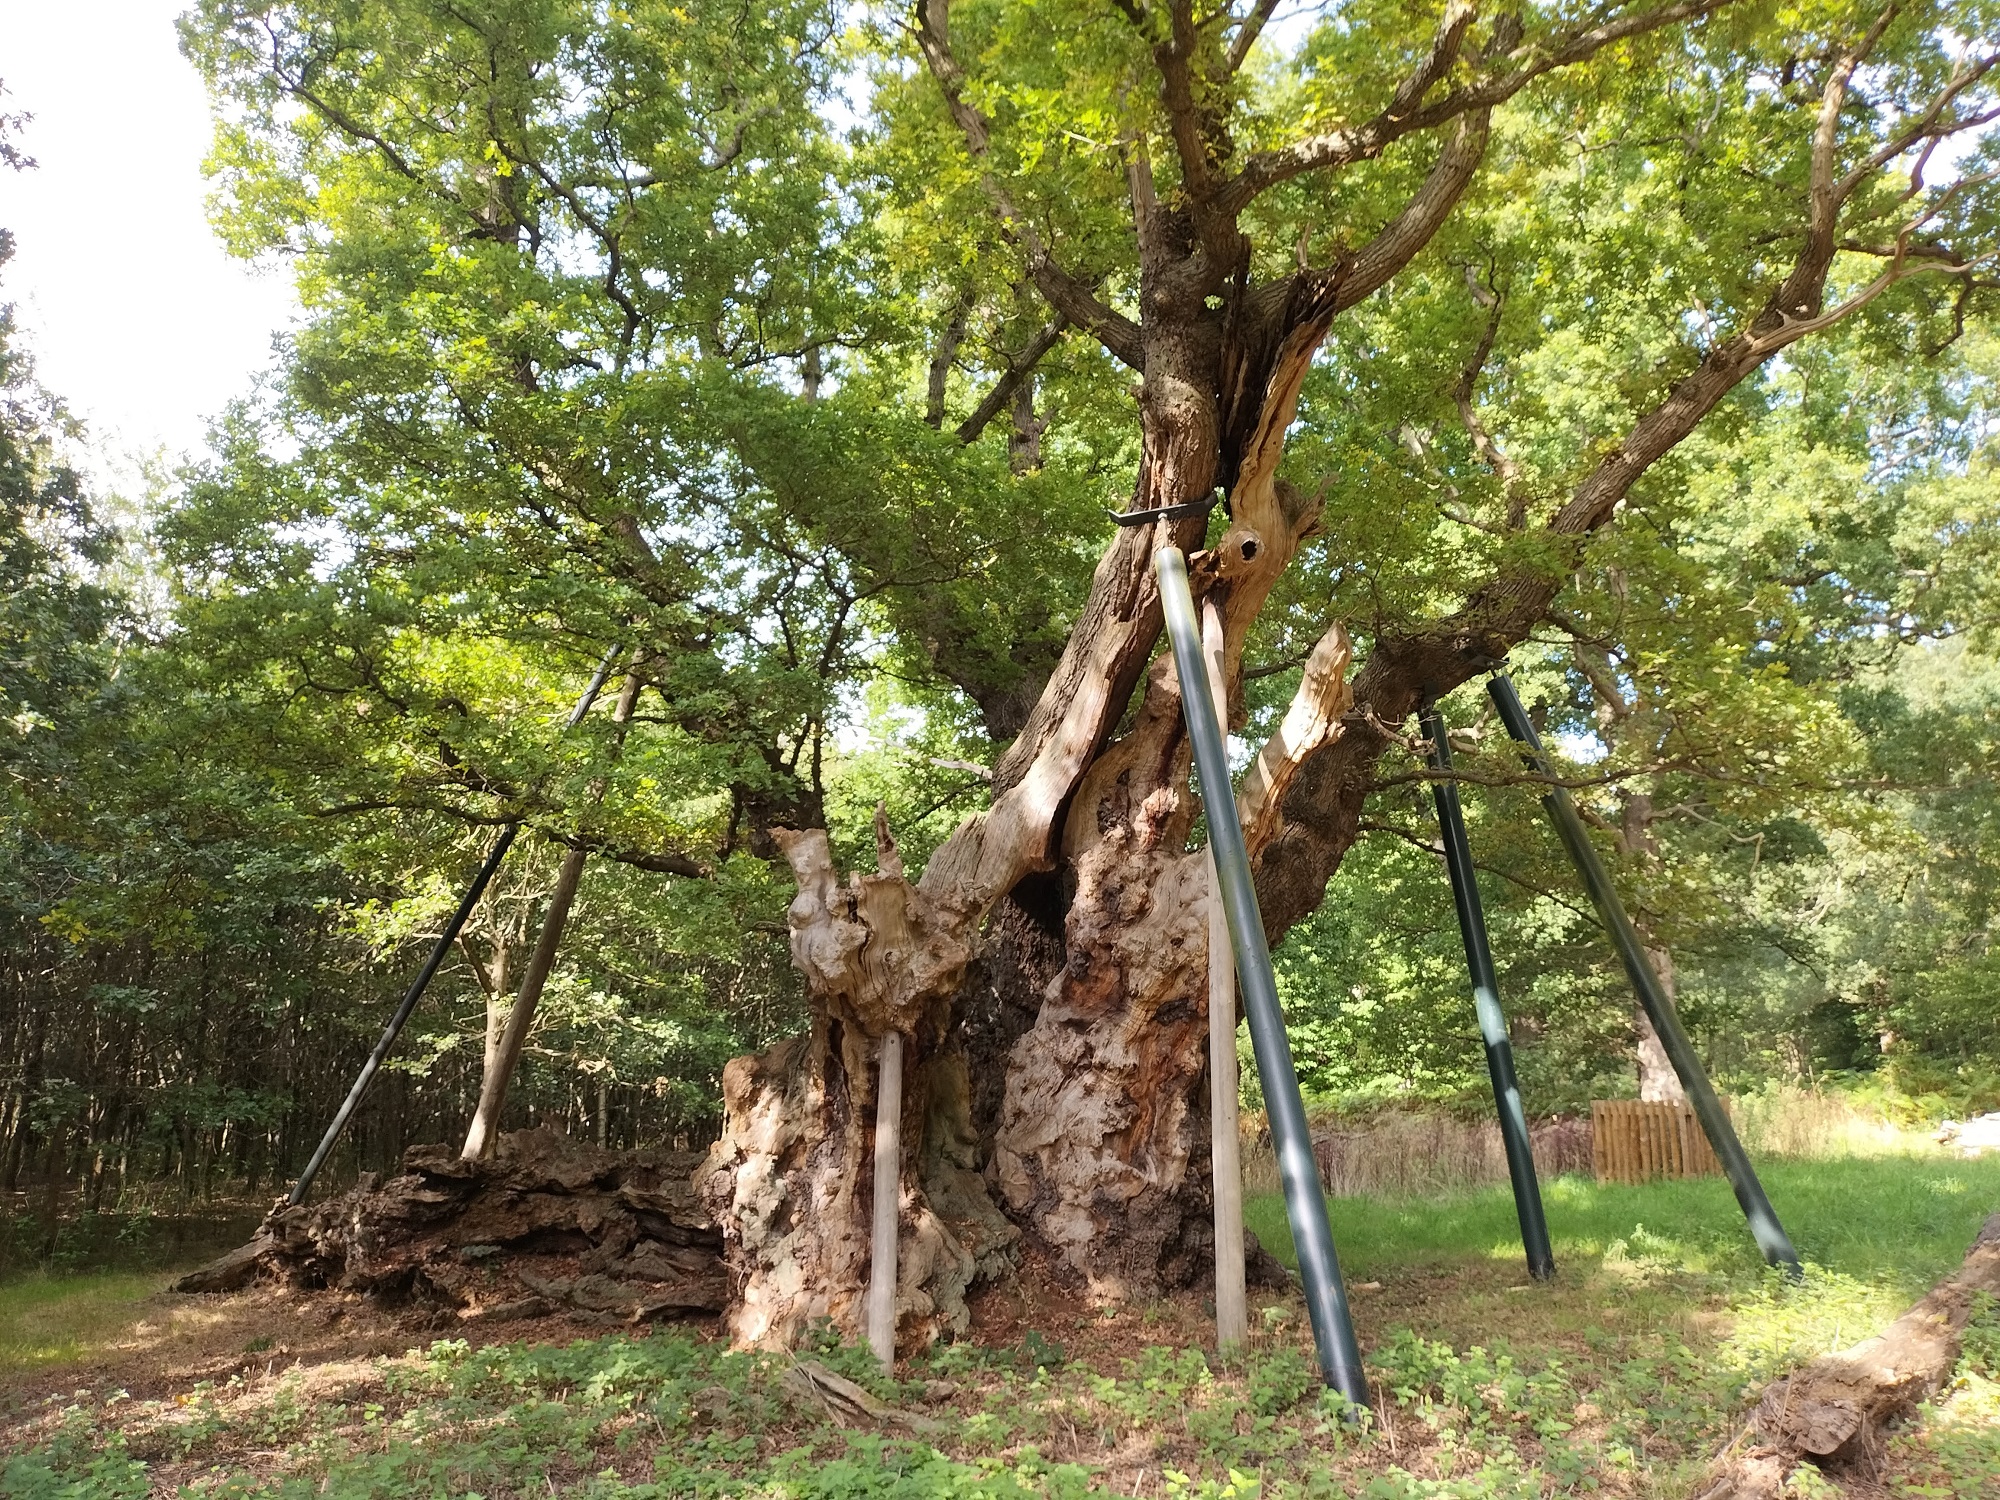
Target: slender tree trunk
[
  {"x": 1658, "y": 1082},
  {"x": 506, "y": 1056}
]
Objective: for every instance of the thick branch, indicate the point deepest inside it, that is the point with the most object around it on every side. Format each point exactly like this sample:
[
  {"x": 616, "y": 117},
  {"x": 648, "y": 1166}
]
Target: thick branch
[
  {"x": 1067, "y": 294},
  {"x": 1019, "y": 368},
  {"x": 1405, "y": 115},
  {"x": 1321, "y": 815},
  {"x": 1382, "y": 257},
  {"x": 664, "y": 863}
]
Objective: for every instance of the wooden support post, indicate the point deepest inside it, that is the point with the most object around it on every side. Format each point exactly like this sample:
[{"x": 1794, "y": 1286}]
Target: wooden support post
[
  {"x": 1232, "y": 1296},
  {"x": 888, "y": 1194}
]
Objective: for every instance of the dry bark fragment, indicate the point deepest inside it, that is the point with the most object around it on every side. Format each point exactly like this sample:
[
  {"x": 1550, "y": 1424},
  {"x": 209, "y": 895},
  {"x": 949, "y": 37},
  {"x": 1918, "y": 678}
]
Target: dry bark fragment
[
  {"x": 1836, "y": 1412},
  {"x": 543, "y": 1218}
]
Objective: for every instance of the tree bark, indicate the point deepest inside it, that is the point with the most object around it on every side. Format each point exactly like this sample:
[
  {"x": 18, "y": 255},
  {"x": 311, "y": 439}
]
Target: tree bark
[
  {"x": 788, "y": 1180},
  {"x": 1658, "y": 1082}
]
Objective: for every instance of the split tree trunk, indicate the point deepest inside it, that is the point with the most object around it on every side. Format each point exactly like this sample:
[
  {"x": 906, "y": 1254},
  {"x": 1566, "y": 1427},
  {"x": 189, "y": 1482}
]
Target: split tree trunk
[{"x": 789, "y": 1180}]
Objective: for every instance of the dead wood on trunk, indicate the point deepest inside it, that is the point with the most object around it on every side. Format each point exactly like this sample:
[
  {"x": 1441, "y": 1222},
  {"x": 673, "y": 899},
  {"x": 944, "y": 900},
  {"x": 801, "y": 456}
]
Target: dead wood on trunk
[
  {"x": 543, "y": 1223},
  {"x": 1098, "y": 1146},
  {"x": 789, "y": 1181},
  {"x": 1836, "y": 1412}
]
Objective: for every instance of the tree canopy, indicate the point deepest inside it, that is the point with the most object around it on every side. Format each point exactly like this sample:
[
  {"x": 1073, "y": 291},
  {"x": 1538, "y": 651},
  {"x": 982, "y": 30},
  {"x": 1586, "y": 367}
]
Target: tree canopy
[{"x": 787, "y": 358}]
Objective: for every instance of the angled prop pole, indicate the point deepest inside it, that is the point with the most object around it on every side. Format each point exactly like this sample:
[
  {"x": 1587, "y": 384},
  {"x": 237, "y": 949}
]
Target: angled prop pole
[
  {"x": 1305, "y": 1203},
  {"x": 1770, "y": 1235},
  {"x": 1486, "y": 1002},
  {"x": 431, "y": 965}
]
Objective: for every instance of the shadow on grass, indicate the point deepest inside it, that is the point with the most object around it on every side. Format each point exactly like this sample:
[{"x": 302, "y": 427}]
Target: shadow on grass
[{"x": 56, "y": 1319}]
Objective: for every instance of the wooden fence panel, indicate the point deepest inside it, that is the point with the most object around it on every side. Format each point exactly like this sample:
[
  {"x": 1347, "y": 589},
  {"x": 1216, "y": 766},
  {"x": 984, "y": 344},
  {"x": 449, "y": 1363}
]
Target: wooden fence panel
[{"x": 1634, "y": 1141}]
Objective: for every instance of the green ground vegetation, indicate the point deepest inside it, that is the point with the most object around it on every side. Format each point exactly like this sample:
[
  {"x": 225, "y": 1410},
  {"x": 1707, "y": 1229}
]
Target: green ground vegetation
[
  {"x": 1620, "y": 1378},
  {"x": 49, "y": 1319}
]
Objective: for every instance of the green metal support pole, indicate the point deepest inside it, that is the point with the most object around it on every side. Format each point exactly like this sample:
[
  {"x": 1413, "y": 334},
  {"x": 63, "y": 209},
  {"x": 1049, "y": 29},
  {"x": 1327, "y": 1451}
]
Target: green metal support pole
[
  {"x": 1763, "y": 1219},
  {"x": 1486, "y": 1001},
  {"x": 1305, "y": 1202}
]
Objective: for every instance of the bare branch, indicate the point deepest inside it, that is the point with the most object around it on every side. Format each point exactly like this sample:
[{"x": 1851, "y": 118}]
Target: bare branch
[
  {"x": 1248, "y": 30},
  {"x": 664, "y": 863},
  {"x": 947, "y": 351},
  {"x": 1924, "y": 128}
]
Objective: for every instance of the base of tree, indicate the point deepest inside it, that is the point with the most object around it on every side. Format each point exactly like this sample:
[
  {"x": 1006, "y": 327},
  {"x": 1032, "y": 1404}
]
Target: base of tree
[
  {"x": 546, "y": 1224},
  {"x": 1835, "y": 1413}
]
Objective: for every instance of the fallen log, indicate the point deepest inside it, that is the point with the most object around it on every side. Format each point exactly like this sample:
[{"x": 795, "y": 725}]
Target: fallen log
[
  {"x": 544, "y": 1224},
  {"x": 1835, "y": 1413}
]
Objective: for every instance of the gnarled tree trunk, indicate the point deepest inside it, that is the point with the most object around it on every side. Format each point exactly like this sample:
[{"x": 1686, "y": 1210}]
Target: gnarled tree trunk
[
  {"x": 1072, "y": 1024},
  {"x": 789, "y": 1180}
]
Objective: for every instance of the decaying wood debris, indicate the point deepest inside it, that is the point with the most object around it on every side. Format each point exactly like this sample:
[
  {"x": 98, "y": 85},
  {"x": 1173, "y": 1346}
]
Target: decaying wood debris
[
  {"x": 1836, "y": 1412},
  {"x": 546, "y": 1224}
]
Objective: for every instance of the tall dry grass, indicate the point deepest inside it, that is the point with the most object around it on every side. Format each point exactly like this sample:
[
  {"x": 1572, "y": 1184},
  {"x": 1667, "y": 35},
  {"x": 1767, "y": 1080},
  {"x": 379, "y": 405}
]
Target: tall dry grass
[
  {"x": 1410, "y": 1154},
  {"x": 1808, "y": 1125}
]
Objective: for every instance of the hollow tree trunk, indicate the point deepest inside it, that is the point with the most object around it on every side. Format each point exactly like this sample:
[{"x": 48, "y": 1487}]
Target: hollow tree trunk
[
  {"x": 1097, "y": 1146},
  {"x": 1101, "y": 1146},
  {"x": 1098, "y": 942},
  {"x": 790, "y": 1182}
]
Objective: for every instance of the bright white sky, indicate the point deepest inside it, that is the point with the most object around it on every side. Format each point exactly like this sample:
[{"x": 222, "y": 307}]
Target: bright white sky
[{"x": 136, "y": 315}]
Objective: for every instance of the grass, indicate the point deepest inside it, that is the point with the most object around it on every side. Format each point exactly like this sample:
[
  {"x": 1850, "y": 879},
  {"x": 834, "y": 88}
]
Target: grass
[
  {"x": 52, "y": 1319},
  {"x": 1618, "y": 1380},
  {"x": 1900, "y": 1220}
]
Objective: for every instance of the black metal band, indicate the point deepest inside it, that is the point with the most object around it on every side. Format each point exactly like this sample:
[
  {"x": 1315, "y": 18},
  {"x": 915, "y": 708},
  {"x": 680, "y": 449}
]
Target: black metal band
[{"x": 1199, "y": 507}]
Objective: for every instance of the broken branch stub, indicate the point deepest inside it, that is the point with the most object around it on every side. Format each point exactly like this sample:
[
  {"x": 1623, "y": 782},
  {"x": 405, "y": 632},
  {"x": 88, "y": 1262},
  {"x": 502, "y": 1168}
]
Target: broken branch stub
[
  {"x": 790, "y": 1180},
  {"x": 877, "y": 951}
]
